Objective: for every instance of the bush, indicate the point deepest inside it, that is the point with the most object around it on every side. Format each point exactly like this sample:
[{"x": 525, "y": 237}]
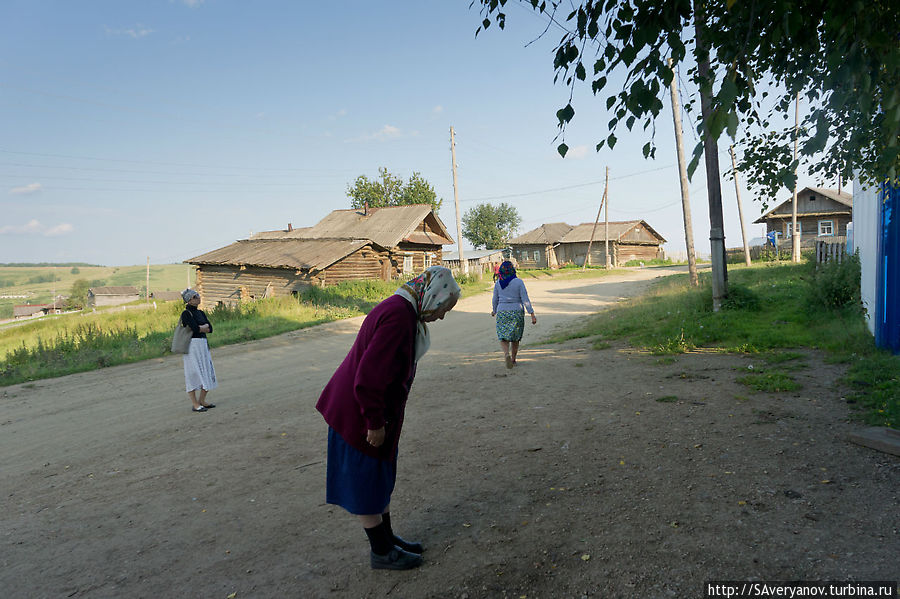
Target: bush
[
  {"x": 741, "y": 297},
  {"x": 835, "y": 285}
]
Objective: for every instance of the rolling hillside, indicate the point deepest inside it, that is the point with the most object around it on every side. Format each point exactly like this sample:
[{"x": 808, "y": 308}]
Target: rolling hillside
[{"x": 38, "y": 283}]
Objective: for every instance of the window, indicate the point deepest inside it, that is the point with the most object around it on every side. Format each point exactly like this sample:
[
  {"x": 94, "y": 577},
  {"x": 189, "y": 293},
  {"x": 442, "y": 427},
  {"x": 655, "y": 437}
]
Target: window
[
  {"x": 407, "y": 264},
  {"x": 537, "y": 256},
  {"x": 427, "y": 259},
  {"x": 787, "y": 229},
  {"x": 826, "y": 227}
]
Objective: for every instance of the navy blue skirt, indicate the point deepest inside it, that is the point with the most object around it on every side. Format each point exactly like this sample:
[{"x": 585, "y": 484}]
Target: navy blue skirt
[{"x": 360, "y": 484}]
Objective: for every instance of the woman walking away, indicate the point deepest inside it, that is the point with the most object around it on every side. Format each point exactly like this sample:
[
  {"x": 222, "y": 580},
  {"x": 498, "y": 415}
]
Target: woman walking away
[
  {"x": 364, "y": 403},
  {"x": 199, "y": 374},
  {"x": 509, "y": 304}
]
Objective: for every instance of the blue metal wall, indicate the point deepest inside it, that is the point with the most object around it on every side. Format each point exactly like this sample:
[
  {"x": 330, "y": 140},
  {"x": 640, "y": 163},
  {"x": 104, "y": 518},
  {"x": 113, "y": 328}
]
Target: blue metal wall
[{"x": 887, "y": 312}]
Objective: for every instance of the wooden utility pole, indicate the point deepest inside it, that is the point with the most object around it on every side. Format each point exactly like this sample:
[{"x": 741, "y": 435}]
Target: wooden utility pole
[
  {"x": 148, "y": 279},
  {"x": 606, "y": 217},
  {"x": 587, "y": 257},
  {"x": 795, "y": 239},
  {"x": 711, "y": 153},
  {"x": 683, "y": 179},
  {"x": 464, "y": 266},
  {"x": 737, "y": 193}
]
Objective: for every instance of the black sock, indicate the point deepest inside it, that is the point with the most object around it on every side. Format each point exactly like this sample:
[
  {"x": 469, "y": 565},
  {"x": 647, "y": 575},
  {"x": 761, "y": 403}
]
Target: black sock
[
  {"x": 380, "y": 538},
  {"x": 386, "y": 520}
]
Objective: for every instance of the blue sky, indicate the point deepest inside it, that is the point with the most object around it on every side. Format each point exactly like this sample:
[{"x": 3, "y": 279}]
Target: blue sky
[{"x": 169, "y": 128}]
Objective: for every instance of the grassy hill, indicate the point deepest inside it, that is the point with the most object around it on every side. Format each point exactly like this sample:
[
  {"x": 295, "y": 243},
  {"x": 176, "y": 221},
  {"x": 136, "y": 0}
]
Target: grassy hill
[{"x": 38, "y": 283}]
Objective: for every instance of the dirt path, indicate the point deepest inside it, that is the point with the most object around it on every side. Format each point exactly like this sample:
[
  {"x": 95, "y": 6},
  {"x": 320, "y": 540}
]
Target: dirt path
[{"x": 563, "y": 478}]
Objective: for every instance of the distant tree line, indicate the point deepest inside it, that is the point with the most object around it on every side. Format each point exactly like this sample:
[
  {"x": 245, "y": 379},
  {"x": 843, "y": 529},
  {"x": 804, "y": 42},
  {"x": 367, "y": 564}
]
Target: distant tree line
[{"x": 44, "y": 264}]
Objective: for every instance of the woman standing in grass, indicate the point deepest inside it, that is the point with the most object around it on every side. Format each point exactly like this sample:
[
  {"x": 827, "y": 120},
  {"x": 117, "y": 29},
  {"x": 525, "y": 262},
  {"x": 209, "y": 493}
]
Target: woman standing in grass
[
  {"x": 364, "y": 403},
  {"x": 199, "y": 374},
  {"x": 509, "y": 304}
]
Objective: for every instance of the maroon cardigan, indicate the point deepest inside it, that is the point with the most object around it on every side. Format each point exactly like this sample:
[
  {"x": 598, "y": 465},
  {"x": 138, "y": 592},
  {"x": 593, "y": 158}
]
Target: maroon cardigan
[{"x": 370, "y": 387}]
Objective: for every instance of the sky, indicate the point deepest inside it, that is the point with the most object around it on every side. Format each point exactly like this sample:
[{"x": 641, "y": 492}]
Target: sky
[{"x": 164, "y": 129}]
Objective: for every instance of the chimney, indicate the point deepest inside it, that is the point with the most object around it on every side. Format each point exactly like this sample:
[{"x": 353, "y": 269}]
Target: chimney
[{"x": 290, "y": 227}]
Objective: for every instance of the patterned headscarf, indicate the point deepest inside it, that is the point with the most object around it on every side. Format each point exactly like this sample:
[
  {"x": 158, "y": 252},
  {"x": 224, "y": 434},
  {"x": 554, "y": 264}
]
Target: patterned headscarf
[
  {"x": 428, "y": 292},
  {"x": 188, "y": 294},
  {"x": 507, "y": 273}
]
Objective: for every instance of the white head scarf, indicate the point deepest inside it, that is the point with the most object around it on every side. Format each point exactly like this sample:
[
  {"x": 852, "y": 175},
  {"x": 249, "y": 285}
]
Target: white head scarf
[{"x": 428, "y": 292}]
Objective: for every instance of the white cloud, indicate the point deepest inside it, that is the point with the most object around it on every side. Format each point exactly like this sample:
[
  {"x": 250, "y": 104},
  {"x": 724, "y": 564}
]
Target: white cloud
[
  {"x": 58, "y": 230},
  {"x": 342, "y": 112},
  {"x": 437, "y": 109},
  {"x": 193, "y": 3},
  {"x": 135, "y": 32},
  {"x": 26, "y": 190},
  {"x": 383, "y": 134},
  {"x": 34, "y": 227},
  {"x": 578, "y": 152}
]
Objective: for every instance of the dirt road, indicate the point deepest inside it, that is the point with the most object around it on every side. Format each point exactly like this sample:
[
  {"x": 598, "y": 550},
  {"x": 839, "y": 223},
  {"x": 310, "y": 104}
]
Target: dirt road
[{"x": 562, "y": 478}]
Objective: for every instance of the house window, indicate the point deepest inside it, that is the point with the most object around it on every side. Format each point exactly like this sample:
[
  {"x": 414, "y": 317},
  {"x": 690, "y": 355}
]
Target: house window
[
  {"x": 537, "y": 256},
  {"x": 787, "y": 227},
  {"x": 826, "y": 227},
  {"x": 407, "y": 264},
  {"x": 427, "y": 259}
]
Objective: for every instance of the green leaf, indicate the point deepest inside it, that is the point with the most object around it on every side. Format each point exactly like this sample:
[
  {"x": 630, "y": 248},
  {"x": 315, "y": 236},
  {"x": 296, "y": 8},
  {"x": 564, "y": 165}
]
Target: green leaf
[
  {"x": 611, "y": 141},
  {"x": 580, "y": 72},
  {"x": 562, "y": 149},
  {"x": 732, "y": 124},
  {"x": 565, "y": 114}
]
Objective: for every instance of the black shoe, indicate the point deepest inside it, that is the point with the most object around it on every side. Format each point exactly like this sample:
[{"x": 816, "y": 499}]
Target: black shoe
[
  {"x": 200, "y": 409},
  {"x": 396, "y": 559},
  {"x": 408, "y": 546},
  {"x": 209, "y": 406}
]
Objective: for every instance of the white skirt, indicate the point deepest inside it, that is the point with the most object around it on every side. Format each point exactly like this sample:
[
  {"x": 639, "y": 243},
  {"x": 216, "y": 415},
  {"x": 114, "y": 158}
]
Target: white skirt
[{"x": 198, "y": 367}]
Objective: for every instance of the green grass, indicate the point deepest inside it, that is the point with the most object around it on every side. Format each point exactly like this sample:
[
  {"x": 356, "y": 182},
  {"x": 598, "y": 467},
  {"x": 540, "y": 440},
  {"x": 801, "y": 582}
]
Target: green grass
[
  {"x": 50, "y": 347},
  {"x": 770, "y": 381},
  {"x": 773, "y": 308}
]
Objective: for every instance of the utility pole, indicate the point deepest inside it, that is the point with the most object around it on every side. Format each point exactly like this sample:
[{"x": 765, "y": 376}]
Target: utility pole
[
  {"x": 683, "y": 179},
  {"x": 737, "y": 193},
  {"x": 606, "y": 213},
  {"x": 795, "y": 239},
  {"x": 464, "y": 266},
  {"x": 587, "y": 257},
  {"x": 189, "y": 276},
  {"x": 148, "y": 279},
  {"x": 711, "y": 153}
]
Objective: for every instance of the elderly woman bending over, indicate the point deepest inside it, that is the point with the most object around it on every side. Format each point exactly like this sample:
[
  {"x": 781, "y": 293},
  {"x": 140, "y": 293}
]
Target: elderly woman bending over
[{"x": 364, "y": 403}]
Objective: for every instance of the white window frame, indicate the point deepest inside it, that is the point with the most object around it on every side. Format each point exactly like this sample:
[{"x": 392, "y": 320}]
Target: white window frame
[
  {"x": 830, "y": 226},
  {"x": 537, "y": 255},
  {"x": 427, "y": 260},
  {"x": 407, "y": 264},
  {"x": 790, "y": 229}
]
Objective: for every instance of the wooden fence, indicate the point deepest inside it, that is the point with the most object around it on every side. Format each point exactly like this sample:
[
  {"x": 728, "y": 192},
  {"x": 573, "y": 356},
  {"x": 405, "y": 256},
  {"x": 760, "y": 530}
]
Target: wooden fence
[{"x": 832, "y": 249}]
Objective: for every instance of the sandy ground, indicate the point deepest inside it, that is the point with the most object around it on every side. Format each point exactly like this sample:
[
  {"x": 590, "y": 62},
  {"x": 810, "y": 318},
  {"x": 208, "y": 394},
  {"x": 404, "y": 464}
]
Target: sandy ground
[{"x": 562, "y": 478}]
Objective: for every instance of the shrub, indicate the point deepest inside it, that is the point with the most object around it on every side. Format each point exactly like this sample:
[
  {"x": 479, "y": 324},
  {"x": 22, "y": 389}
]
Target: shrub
[{"x": 835, "y": 285}]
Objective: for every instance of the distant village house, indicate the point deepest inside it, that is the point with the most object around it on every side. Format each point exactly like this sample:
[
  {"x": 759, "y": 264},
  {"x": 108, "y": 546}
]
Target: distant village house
[
  {"x": 112, "y": 296},
  {"x": 821, "y": 213},
  {"x": 556, "y": 244},
  {"x": 367, "y": 243},
  {"x": 479, "y": 261}
]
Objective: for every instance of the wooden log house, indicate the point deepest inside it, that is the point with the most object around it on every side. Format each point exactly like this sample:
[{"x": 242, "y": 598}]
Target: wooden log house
[{"x": 384, "y": 243}]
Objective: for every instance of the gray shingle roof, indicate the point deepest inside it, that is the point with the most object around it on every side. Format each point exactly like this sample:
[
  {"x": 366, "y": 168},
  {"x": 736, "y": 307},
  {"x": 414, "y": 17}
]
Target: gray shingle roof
[
  {"x": 545, "y": 234},
  {"x": 301, "y": 254},
  {"x": 120, "y": 290}
]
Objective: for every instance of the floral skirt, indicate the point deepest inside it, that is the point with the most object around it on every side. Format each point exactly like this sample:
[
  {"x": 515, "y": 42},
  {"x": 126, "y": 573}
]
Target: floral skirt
[{"x": 510, "y": 325}]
